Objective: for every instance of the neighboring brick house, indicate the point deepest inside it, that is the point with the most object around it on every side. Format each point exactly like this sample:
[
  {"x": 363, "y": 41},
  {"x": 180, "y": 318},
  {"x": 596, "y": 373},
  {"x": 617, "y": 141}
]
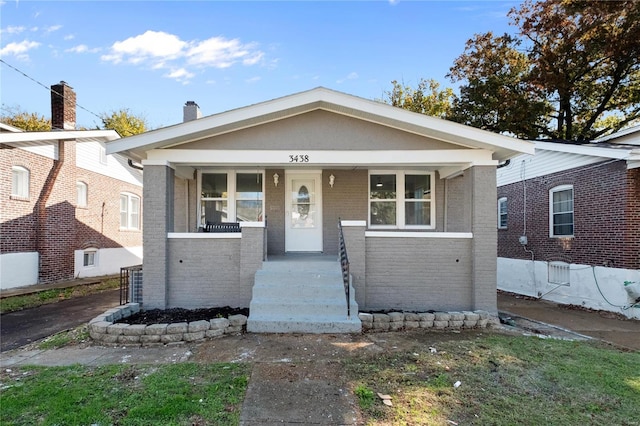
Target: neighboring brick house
[
  {"x": 569, "y": 223},
  {"x": 414, "y": 194},
  {"x": 66, "y": 208}
]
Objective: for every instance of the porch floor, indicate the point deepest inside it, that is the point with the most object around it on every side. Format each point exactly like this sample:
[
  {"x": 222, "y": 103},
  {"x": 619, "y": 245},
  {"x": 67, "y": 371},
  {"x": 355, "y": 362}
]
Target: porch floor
[{"x": 301, "y": 293}]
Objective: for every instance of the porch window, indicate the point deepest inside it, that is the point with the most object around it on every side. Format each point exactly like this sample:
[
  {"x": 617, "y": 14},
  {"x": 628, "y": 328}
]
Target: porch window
[
  {"x": 231, "y": 197},
  {"x": 215, "y": 198},
  {"x": 410, "y": 207}
]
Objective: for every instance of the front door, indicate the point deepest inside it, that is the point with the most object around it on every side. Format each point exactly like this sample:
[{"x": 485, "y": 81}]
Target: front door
[{"x": 303, "y": 211}]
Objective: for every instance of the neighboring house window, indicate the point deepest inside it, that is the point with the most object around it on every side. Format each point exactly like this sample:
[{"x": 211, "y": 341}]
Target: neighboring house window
[
  {"x": 401, "y": 200},
  {"x": 561, "y": 211},
  {"x": 129, "y": 211},
  {"x": 103, "y": 155},
  {"x": 231, "y": 197},
  {"x": 90, "y": 258},
  {"x": 81, "y": 189},
  {"x": 502, "y": 213},
  {"x": 20, "y": 182}
]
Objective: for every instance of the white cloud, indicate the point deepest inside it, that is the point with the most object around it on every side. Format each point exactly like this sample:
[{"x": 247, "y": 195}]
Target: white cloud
[
  {"x": 11, "y": 29},
  {"x": 69, "y": 37},
  {"x": 82, "y": 48},
  {"x": 253, "y": 79},
  {"x": 19, "y": 50},
  {"x": 52, "y": 28},
  {"x": 161, "y": 50},
  {"x": 351, "y": 76},
  {"x": 180, "y": 74}
]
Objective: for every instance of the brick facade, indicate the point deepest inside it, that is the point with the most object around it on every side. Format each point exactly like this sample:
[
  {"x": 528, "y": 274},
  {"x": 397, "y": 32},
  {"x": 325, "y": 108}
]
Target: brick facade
[
  {"x": 606, "y": 217},
  {"x": 49, "y": 222}
]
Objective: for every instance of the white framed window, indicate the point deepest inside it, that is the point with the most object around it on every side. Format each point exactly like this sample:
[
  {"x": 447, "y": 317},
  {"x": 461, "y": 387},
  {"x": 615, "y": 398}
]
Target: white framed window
[
  {"x": 20, "y": 182},
  {"x": 561, "y": 211},
  {"x": 231, "y": 196},
  {"x": 90, "y": 258},
  {"x": 102, "y": 155},
  {"x": 129, "y": 211},
  {"x": 502, "y": 213},
  {"x": 401, "y": 200},
  {"x": 81, "y": 190}
]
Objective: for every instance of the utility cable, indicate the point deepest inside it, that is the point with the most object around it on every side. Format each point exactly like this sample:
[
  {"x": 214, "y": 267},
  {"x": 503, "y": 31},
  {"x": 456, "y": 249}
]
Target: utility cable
[{"x": 47, "y": 88}]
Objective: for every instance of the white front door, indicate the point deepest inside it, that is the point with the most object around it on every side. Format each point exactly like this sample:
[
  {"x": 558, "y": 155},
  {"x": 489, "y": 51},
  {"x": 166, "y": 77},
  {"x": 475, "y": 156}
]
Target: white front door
[{"x": 303, "y": 223}]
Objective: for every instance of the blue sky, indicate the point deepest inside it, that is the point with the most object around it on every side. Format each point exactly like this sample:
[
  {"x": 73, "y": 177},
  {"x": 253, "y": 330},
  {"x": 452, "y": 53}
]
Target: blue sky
[{"x": 153, "y": 56}]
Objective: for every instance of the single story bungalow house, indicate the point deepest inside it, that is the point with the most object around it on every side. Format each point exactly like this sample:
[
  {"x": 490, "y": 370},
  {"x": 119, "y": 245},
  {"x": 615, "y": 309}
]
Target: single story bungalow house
[{"x": 313, "y": 181}]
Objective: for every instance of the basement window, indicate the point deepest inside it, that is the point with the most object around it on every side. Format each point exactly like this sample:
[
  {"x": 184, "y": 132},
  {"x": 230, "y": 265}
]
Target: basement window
[{"x": 89, "y": 258}]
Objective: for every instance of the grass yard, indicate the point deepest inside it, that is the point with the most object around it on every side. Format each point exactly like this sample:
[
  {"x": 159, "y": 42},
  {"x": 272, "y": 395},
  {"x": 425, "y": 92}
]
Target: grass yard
[
  {"x": 176, "y": 394},
  {"x": 504, "y": 380},
  {"x": 17, "y": 303}
]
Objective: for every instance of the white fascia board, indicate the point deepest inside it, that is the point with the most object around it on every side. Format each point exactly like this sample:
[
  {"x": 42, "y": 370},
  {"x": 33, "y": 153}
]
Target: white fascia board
[
  {"x": 433, "y": 127},
  {"x": 476, "y": 157},
  {"x": 634, "y": 164},
  {"x": 619, "y": 154},
  {"x": 79, "y": 135}
]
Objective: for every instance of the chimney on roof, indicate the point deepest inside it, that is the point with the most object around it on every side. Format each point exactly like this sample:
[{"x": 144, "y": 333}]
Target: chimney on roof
[
  {"x": 63, "y": 107},
  {"x": 190, "y": 111}
]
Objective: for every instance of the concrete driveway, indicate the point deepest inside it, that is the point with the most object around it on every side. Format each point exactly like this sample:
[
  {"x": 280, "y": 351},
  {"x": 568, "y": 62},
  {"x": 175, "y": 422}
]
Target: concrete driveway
[{"x": 597, "y": 324}]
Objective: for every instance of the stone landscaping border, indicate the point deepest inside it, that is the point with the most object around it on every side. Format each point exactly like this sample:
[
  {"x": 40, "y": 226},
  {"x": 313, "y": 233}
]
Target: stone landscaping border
[
  {"x": 102, "y": 328},
  {"x": 394, "y": 321}
]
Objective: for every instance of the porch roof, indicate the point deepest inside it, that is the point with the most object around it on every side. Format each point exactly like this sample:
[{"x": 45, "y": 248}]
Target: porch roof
[{"x": 501, "y": 147}]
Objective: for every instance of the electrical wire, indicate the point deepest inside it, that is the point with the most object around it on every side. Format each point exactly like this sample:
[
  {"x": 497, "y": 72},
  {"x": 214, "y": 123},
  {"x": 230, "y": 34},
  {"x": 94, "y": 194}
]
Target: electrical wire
[{"x": 49, "y": 89}]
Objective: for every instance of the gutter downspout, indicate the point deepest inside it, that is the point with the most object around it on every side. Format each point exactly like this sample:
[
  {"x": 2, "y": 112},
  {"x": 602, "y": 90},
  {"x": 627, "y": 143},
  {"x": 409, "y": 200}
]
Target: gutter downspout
[{"x": 134, "y": 166}]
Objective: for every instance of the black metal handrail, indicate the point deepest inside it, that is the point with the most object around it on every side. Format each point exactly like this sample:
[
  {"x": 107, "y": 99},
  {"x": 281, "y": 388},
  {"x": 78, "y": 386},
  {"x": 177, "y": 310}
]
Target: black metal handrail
[{"x": 344, "y": 264}]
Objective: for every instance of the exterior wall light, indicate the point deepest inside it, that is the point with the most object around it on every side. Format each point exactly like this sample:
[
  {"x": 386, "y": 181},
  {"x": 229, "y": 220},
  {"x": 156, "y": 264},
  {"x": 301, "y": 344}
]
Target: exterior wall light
[
  {"x": 276, "y": 179},
  {"x": 332, "y": 180}
]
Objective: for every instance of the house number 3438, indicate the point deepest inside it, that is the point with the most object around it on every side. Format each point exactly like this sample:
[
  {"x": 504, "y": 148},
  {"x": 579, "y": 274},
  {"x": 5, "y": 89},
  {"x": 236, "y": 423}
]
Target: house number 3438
[{"x": 300, "y": 158}]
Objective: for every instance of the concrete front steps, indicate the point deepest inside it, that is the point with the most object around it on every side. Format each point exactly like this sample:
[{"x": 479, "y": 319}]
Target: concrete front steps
[{"x": 301, "y": 295}]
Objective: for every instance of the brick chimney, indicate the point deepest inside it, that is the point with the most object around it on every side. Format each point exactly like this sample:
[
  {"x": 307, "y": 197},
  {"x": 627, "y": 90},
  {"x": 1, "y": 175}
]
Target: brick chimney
[
  {"x": 190, "y": 111},
  {"x": 63, "y": 107}
]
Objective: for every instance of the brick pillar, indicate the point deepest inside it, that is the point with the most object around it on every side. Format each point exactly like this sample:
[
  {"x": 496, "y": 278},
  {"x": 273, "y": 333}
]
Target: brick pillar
[
  {"x": 484, "y": 246},
  {"x": 63, "y": 107},
  {"x": 157, "y": 222}
]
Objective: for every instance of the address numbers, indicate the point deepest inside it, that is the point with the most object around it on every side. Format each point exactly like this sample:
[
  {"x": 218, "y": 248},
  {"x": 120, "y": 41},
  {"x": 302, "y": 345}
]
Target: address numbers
[{"x": 299, "y": 158}]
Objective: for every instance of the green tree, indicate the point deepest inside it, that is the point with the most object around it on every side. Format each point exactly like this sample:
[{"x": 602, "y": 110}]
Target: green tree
[
  {"x": 498, "y": 96},
  {"x": 582, "y": 58},
  {"x": 427, "y": 98},
  {"x": 28, "y": 121},
  {"x": 124, "y": 122}
]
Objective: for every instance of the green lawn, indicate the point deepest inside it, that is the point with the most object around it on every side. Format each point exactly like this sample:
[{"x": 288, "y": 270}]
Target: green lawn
[
  {"x": 504, "y": 380},
  {"x": 17, "y": 303},
  {"x": 177, "y": 394}
]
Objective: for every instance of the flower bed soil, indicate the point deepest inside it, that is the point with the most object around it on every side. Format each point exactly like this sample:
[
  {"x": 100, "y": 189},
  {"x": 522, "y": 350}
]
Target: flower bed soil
[{"x": 175, "y": 315}]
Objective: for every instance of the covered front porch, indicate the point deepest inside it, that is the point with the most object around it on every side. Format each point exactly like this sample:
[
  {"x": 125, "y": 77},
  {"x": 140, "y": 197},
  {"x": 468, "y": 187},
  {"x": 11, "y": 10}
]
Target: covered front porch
[{"x": 415, "y": 196}]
